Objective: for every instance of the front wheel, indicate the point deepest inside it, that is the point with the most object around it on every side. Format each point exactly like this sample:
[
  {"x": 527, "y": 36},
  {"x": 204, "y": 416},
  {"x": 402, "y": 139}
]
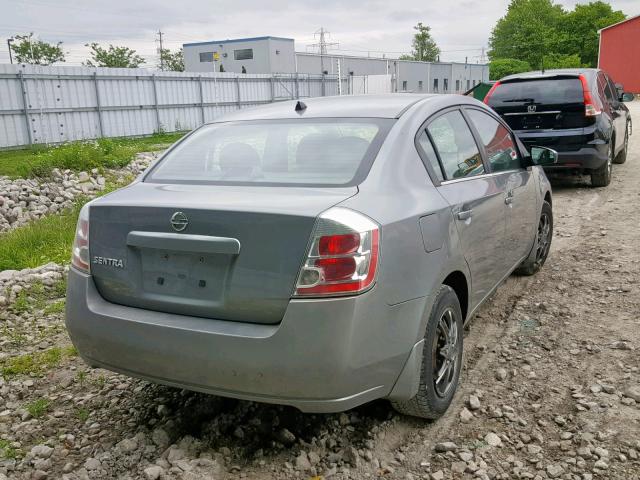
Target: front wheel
[
  {"x": 441, "y": 359},
  {"x": 622, "y": 156},
  {"x": 542, "y": 244}
]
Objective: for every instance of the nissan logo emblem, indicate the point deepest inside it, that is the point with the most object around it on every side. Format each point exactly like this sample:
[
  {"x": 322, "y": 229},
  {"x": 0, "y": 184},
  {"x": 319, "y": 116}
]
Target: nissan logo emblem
[{"x": 179, "y": 221}]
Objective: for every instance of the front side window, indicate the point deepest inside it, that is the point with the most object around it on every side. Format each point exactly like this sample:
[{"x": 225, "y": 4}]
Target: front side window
[
  {"x": 456, "y": 147},
  {"x": 206, "y": 57},
  {"x": 498, "y": 142},
  {"x": 243, "y": 54},
  {"x": 313, "y": 152}
]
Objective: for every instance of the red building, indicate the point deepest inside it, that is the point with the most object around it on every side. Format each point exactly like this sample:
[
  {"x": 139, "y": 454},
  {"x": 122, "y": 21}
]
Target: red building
[{"x": 619, "y": 53}]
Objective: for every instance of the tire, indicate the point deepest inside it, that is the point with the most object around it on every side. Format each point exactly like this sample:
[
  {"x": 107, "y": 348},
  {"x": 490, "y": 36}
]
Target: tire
[
  {"x": 602, "y": 176},
  {"x": 622, "y": 156},
  {"x": 541, "y": 245},
  {"x": 445, "y": 322}
]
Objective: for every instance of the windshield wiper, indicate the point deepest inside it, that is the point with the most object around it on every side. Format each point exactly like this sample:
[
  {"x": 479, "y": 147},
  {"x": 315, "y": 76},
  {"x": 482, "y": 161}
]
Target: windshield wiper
[{"x": 531, "y": 100}]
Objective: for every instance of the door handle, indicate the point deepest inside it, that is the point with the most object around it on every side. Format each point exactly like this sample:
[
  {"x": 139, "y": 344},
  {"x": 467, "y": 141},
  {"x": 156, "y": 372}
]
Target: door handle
[{"x": 465, "y": 215}]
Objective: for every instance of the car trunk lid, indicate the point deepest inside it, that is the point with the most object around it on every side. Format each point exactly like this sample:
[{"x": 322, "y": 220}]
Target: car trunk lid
[{"x": 224, "y": 252}]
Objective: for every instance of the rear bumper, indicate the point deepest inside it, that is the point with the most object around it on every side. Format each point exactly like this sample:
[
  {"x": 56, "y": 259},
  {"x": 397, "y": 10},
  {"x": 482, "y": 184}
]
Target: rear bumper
[
  {"x": 588, "y": 158},
  {"x": 325, "y": 356}
]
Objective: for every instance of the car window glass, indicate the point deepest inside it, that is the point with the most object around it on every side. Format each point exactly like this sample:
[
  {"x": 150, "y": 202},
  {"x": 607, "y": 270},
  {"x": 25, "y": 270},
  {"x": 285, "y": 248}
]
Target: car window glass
[
  {"x": 498, "y": 142},
  {"x": 430, "y": 154},
  {"x": 608, "y": 93},
  {"x": 456, "y": 147},
  {"x": 613, "y": 88}
]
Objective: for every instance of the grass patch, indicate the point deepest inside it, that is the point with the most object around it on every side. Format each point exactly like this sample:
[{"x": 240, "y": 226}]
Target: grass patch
[
  {"x": 82, "y": 414},
  {"x": 39, "y": 161},
  {"x": 35, "y": 363},
  {"x": 38, "y": 407},
  {"x": 38, "y": 297},
  {"x": 9, "y": 452}
]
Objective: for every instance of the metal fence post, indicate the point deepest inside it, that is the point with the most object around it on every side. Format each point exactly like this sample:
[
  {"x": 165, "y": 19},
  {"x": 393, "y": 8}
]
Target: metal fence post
[
  {"x": 25, "y": 107},
  {"x": 272, "y": 90},
  {"x": 155, "y": 102},
  {"x": 324, "y": 94},
  {"x": 201, "y": 99},
  {"x": 297, "y": 87},
  {"x": 238, "y": 92},
  {"x": 98, "y": 105}
]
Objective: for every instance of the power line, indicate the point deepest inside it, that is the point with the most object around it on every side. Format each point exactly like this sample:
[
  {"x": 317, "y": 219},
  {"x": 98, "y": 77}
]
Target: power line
[{"x": 322, "y": 45}]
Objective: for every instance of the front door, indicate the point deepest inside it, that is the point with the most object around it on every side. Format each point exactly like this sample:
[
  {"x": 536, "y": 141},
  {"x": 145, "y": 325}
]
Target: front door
[
  {"x": 476, "y": 200},
  {"x": 517, "y": 182}
]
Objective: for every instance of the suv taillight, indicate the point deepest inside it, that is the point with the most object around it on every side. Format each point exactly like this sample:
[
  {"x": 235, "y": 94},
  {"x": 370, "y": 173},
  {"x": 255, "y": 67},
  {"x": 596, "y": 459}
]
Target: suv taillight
[
  {"x": 343, "y": 257},
  {"x": 80, "y": 249},
  {"x": 490, "y": 92},
  {"x": 591, "y": 108}
]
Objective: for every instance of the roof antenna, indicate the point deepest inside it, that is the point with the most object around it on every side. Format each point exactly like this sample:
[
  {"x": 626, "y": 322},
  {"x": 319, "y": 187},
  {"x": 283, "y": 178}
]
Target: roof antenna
[{"x": 300, "y": 107}]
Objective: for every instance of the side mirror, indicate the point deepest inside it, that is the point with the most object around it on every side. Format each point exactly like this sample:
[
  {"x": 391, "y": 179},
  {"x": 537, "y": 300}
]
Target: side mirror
[
  {"x": 543, "y": 156},
  {"x": 627, "y": 97}
]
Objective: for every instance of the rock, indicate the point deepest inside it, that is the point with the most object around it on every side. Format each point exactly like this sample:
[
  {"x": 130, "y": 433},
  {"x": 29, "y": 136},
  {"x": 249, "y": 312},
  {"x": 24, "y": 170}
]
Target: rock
[
  {"x": 492, "y": 439},
  {"x": 601, "y": 465},
  {"x": 153, "y": 472},
  {"x": 39, "y": 475},
  {"x": 445, "y": 447},
  {"x": 474, "y": 403},
  {"x": 175, "y": 454},
  {"x": 92, "y": 464},
  {"x": 501, "y": 374},
  {"x": 554, "y": 471},
  {"x": 533, "y": 449},
  {"x": 302, "y": 462},
  {"x": 41, "y": 451},
  {"x": 314, "y": 458},
  {"x": 286, "y": 437},
  {"x": 128, "y": 445},
  {"x": 632, "y": 392},
  {"x": 465, "y": 415},
  {"x": 439, "y": 475},
  {"x": 458, "y": 467},
  {"x": 160, "y": 438}
]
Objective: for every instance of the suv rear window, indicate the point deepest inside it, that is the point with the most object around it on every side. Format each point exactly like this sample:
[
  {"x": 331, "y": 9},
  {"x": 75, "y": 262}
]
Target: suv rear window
[
  {"x": 304, "y": 152},
  {"x": 548, "y": 91}
]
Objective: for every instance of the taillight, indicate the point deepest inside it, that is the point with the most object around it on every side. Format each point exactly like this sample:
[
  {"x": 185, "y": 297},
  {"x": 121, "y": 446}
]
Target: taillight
[
  {"x": 591, "y": 108},
  {"x": 80, "y": 250},
  {"x": 490, "y": 92},
  {"x": 343, "y": 257}
]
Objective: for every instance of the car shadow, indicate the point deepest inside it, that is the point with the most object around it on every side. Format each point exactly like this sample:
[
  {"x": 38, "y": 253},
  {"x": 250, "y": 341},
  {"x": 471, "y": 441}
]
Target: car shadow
[
  {"x": 562, "y": 182},
  {"x": 252, "y": 430}
]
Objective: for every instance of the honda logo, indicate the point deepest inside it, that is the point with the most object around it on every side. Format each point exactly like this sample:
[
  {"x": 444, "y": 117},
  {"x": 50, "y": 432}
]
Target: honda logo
[{"x": 531, "y": 108}]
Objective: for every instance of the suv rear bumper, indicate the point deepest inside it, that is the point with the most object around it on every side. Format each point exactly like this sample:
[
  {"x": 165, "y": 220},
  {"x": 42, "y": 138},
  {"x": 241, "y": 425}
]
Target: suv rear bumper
[
  {"x": 325, "y": 356},
  {"x": 588, "y": 158}
]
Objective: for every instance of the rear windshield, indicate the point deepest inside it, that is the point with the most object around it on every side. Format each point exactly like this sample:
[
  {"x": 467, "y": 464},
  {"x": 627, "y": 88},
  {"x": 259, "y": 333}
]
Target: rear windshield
[
  {"x": 552, "y": 91},
  {"x": 302, "y": 152}
]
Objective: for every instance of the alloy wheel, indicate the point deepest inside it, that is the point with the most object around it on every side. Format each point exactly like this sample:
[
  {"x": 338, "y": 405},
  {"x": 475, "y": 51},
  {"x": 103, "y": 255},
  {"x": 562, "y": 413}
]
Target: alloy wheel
[
  {"x": 544, "y": 238},
  {"x": 445, "y": 353}
]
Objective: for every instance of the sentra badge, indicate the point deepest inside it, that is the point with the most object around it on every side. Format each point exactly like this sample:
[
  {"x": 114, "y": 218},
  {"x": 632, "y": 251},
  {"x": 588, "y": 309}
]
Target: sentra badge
[{"x": 110, "y": 262}]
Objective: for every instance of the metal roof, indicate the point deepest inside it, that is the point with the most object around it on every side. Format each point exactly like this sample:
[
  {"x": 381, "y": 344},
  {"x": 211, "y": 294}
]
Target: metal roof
[
  {"x": 619, "y": 23},
  {"x": 235, "y": 40},
  {"x": 390, "y": 105}
]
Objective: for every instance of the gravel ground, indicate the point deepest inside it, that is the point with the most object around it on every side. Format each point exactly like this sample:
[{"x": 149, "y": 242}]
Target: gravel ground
[{"x": 550, "y": 386}]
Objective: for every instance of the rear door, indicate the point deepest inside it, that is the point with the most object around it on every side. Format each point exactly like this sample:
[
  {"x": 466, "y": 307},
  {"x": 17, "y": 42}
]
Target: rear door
[
  {"x": 518, "y": 182},
  {"x": 476, "y": 198}
]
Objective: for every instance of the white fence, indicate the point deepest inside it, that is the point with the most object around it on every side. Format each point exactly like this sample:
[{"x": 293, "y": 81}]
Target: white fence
[
  {"x": 370, "y": 84},
  {"x": 41, "y": 105}
]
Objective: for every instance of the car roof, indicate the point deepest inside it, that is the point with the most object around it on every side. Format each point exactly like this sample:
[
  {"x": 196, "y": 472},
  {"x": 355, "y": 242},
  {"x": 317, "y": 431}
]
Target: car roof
[
  {"x": 539, "y": 74},
  {"x": 391, "y": 105}
]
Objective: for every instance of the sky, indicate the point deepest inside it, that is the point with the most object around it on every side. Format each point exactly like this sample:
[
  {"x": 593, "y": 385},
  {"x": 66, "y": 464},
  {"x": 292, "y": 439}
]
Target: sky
[{"x": 366, "y": 27}]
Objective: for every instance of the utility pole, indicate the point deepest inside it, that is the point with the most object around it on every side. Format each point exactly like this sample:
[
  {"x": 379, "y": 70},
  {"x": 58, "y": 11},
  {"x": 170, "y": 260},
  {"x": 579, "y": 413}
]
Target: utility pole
[
  {"x": 9, "y": 40},
  {"x": 322, "y": 45},
  {"x": 160, "y": 33}
]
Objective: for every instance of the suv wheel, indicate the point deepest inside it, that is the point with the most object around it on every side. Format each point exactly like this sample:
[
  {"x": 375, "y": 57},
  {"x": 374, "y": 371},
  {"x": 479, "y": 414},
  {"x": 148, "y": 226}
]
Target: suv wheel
[
  {"x": 622, "y": 156},
  {"x": 542, "y": 244},
  {"x": 602, "y": 176},
  {"x": 441, "y": 359}
]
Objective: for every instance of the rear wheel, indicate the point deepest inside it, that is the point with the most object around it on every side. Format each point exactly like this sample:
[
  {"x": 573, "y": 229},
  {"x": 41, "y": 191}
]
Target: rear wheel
[
  {"x": 602, "y": 176},
  {"x": 542, "y": 245},
  {"x": 622, "y": 156},
  {"x": 441, "y": 359}
]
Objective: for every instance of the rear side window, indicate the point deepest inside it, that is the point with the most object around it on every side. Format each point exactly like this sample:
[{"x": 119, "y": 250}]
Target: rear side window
[
  {"x": 551, "y": 91},
  {"x": 498, "y": 142},
  {"x": 314, "y": 152},
  {"x": 430, "y": 154},
  {"x": 456, "y": 148}
]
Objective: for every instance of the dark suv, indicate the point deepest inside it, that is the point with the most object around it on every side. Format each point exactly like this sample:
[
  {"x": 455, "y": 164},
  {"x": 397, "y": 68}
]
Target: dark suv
[{"x": 577, "y": 112}]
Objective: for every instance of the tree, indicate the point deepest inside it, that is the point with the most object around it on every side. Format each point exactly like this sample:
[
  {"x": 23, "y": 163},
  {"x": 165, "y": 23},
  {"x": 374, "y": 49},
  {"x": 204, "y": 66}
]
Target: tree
[
  {"x": 559, "y": 60},
  {"x": 115, "y": 57},
  {"x": 528, "y": 30},
  {"x": 173, "y": 61},
  {"x": 582, "y": 25},
  {"x": 501, "y": 67},
  {"x": 424, "y": 46},
  {"x": 34, "y": 51}
]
